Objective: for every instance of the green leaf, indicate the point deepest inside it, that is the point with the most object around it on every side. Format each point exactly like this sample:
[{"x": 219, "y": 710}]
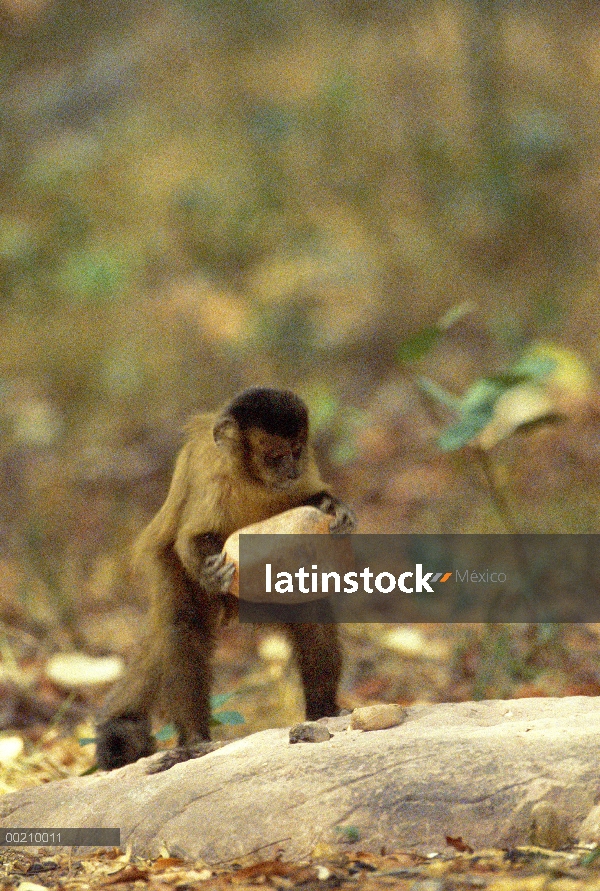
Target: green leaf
[
  {"x": 222, "y": 717},
  {"x": 591, "y": 857},
  {"x": 482, "y": 396},
  {"x": 455, "y": 314},
  {"x": 534, "y": 367},
  {"x": 166, "y": 732},
  {"x": 462, "y": 433},
  {"x": 477, "y": 407},
  {"x": 349, "y": 833},
  {"x": 418, "y": 345},
  {"x": 439, "y": 394},
  {"x": 508, "y": 379},
  {"x": 220, "y": 699},
  {"x": 231, "y": 718},
  {"x": 476, "y": 412}
]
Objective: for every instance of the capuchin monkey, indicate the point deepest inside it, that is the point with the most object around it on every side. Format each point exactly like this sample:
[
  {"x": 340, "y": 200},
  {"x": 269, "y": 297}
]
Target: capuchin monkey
[{"x": 249, "y": 462}]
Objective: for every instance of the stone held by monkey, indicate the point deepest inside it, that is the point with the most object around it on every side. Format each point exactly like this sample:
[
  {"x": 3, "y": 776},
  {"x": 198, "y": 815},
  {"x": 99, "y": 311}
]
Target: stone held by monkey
[{"x": 241, "y": 466}]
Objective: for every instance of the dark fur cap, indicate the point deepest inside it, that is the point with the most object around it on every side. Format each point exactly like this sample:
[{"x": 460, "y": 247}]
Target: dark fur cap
[{"x": 278, "y": 412}]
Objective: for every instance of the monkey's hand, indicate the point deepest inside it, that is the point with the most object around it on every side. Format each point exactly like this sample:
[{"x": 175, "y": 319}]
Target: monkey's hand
[
  {"x": 216, "y": 574},
  {"x": 344, "y": 518}
]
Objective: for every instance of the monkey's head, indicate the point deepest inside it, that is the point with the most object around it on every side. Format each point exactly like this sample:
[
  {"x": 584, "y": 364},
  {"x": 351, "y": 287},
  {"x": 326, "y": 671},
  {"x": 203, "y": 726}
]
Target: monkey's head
[{"x": 266, "y": 431}]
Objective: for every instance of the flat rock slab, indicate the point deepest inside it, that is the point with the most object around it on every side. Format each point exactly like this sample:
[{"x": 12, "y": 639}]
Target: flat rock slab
[{"x": 474, "y": 770}]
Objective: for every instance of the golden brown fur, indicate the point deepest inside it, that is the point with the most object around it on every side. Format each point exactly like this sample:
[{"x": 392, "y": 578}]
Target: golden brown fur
[{"x": 216, "y": 489}]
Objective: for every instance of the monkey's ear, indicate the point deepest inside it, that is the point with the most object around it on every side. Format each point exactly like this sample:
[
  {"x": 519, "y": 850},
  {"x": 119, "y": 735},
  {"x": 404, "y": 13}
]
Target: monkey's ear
[{"x": 225, "y": 429}]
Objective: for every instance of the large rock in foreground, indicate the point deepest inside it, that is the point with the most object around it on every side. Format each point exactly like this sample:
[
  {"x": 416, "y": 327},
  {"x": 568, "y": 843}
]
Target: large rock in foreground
[{"x": 474, "y": 770}]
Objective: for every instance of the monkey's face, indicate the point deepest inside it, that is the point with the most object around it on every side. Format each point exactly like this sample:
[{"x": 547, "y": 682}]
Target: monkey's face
[{"x": 277, "y": 462}]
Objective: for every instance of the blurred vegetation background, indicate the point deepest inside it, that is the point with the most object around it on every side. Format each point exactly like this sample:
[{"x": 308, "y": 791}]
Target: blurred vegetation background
[{"x": 201, "y": 195}]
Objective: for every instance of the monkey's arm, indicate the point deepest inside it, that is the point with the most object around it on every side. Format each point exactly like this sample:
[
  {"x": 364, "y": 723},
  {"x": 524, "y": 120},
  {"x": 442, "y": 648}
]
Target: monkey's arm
[
  {"x": 344, "y": 518},
  {"x": 202, "y": 560}
]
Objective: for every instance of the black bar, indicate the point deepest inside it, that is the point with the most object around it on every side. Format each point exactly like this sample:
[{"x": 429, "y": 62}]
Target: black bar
[
  {"x": 96, "y": 838},
  {"x": 419, "y": 578}
]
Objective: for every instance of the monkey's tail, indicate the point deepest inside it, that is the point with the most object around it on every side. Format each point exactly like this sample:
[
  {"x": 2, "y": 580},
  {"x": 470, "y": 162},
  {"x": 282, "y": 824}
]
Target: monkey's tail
[{"x": 124, "y": 724}]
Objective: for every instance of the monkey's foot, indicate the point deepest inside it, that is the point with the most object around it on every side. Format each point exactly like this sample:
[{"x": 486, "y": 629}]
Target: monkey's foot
[{"x": 184, "y": 753}]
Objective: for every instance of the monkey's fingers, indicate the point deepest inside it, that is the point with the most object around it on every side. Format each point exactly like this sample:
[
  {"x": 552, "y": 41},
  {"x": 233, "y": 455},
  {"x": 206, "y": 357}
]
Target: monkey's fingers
[
  {"x": 344, "y": 520},
  {"x": 215, "y": 561},
  {"x": 225, "y": 577},
  {"x": 217, "y": 574}
]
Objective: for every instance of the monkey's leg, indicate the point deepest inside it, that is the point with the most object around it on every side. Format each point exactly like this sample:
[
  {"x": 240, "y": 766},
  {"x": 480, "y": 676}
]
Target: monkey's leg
[
  {"x": 187, "y": 675},
  {"x": 189, "y": 630},
  {"x": 319, "y": 658}
]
